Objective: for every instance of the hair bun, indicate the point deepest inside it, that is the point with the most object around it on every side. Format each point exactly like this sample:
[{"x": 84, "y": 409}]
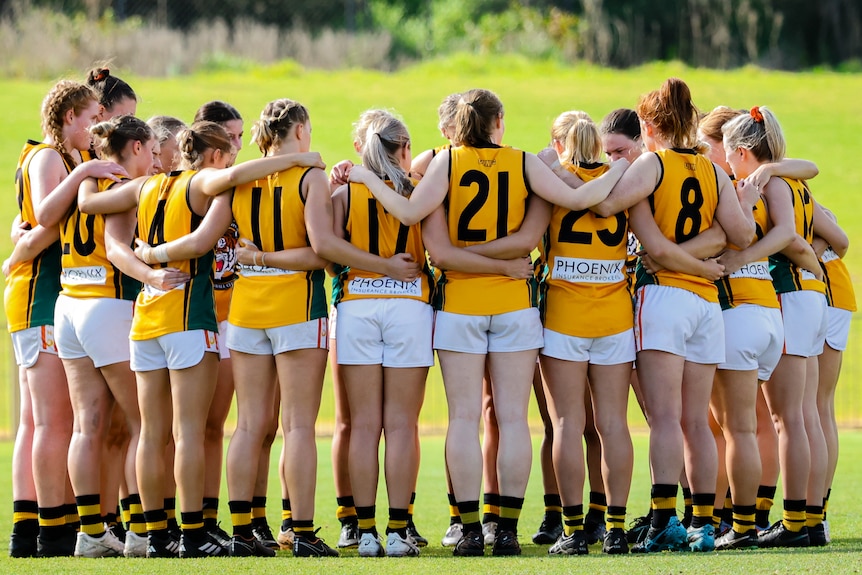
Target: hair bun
[
  {"x": 99, "y": 74},
  {"x": 755, "y": 113}
]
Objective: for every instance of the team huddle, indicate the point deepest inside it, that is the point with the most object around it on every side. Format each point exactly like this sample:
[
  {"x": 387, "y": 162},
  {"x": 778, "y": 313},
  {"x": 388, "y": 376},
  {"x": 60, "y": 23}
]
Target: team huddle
[{"x": 675, "y": 253}]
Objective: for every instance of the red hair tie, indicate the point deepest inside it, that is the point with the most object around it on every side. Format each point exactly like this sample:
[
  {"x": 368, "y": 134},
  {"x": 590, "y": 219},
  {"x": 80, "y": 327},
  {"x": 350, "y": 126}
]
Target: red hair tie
[
  {"x": 755, "y": 113},
  {"x": 101, "y": 75}
]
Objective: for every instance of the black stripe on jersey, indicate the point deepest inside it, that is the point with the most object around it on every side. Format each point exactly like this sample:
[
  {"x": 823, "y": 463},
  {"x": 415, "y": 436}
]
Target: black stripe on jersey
[
  {"x": 828, "y": 282},
  {"x": 524, "y": 171},
  {"x": 347, "y": 213},
  {"x": 309, "y": 291},
  {"x": 725, "y": 293},
  {"x": 277, "y": 232},
  {"x": 299, "y": 186},
  {"x": 255, "y": 217},
  {"x": 660, "y": 176},
  {"x": 118, "y": 284},
  {"x": 187, "y": 292},
  {"x": 31, "y": 285},
  {"x": 503, "y": 204}
]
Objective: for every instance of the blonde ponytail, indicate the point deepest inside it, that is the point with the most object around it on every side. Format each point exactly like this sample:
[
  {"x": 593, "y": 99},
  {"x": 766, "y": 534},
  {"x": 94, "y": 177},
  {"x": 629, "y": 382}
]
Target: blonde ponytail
[{"x": 385, "y": 140}]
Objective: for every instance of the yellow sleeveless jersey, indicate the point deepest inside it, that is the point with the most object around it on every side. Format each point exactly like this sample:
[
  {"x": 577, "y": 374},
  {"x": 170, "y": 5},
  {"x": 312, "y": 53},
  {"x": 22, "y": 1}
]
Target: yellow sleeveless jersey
[
  {"x": 839, "y": 286},
  {"x": 271, "y": 213},
  {"x": 87, "y": 272},
  {"x": 487, "y": 200},
  {"x": 585, "y": 275},
  {"x": 786, "y": 276},
  {"x": 372, "y": 229},
  {"x": 752, "y": 283},
  {"x": 224, "y": 271},
  {"x": 683, "y": 205},
  {"x": 164, "y": 215},
  {"x": 32, "y": 287}
]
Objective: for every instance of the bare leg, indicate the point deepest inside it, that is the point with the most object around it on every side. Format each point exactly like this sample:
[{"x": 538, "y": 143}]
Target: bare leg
[
  {"x": 254, "y": 378},
  {"x": 191, "y": 393},
  {"x": 300, "y": 375},
  {"x": 830, "y": 369},
  {"x": 610, "y": 404},
  {"x": 734, "y": 399},
  {"x": 816, "y": 439},
  {"x": 784, "y": 395},
  {"x": 404, "y": 393},
  {"x": 511, "y": 379},
  {"x": 52, "y": 418},
  {"x": 364, "y": 386}
]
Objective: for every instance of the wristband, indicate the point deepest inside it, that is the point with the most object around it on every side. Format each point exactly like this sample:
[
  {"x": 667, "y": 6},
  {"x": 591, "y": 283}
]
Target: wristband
[
  {"x": 160, "y": 253},
  {"x": 263, "y": 259},
  {"x": 254, "y": 258}
]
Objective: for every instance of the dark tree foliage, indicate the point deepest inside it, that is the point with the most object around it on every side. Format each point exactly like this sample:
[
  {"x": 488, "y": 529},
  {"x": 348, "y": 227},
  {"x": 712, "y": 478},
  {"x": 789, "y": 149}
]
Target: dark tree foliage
[{"x": 781, "y": 33}]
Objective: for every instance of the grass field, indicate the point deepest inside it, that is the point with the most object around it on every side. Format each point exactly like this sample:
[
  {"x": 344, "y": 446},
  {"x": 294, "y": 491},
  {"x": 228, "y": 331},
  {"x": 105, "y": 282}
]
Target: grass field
[
  {"x": 821, "y": 121},
  {"x": 842, "y": 556}
]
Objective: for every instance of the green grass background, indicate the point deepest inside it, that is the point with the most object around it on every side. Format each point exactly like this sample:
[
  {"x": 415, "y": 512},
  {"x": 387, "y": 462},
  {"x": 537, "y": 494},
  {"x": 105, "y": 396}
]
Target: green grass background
[{"x": 819, "y": 112}]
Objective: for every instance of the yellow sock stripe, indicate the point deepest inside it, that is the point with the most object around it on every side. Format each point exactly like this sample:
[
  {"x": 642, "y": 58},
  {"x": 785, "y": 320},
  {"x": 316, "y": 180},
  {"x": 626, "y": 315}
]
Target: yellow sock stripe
[
  {"x": 86, "y": 511},
  {"x": 572, "y": 523},
  {"x": 764, "y": 503},
  {"x": 813, "y": 519},
  {"x": 258, "y": 512},
  {"x": 19, "y": 516},
  {"x": 93, "y": 529},
  {"x": 470, "y": 517},
  {"x": 702, "y": 511},
  {"x": 210, "y": 513},
  {"x": 286, "y": 514},
  {"x": 72, "y": 518},
  {"x": 663, "y": 503},
  {"x": 171, "y": 513},
  {"x": 126, "y": 515},
  {"x": 453, "y": 511},
  {"x": 157, "y": 525},
  {"x": 367, "y": 523},
  {"x": 554, "y": 508},
  {"x": 794, "y": 520},
  {"x": 240, "y": 519},
  {"x": 303, "y": 530},
  {"x": 343, "y": 512},
  {"x": 615, "y": 522},
  {"x": 743, "y": 523},
  {"x": 53, "y": 522},
  {"x": 187, "y": 526},
  {"x": 410, "y": 509},
  {"x": 396, "y": 524}
]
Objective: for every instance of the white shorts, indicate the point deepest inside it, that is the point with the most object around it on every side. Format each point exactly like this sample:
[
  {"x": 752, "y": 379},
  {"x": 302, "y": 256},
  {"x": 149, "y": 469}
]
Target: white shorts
[
  {"x": 838, "y": 328},
  {"x": 274, "y": 340},
  {"x": 680, "y": 322},
  {"x": 608, "y": 350},
  {"x": 333, "y": 321},
  {"x": 506, "y": 332},
  {"x": 223, "y": 351},
  {"x": 178, "y": 350},
  {"x": 805, "y": 322},
  {"x": 29, "y": 343},
  {"x": 97, "y": 328},
  {"x": 393, "y": 332},
  {"x": 753, "y": 339}
]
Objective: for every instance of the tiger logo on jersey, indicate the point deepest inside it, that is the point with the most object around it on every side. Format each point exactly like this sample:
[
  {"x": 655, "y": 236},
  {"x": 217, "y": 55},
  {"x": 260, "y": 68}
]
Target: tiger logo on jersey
[{"x": 226, "y": 259}]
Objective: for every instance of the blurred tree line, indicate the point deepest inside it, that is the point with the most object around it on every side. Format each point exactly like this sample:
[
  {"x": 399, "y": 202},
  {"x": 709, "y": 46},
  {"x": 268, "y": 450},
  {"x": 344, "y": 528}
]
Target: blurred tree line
[{"x": 787, "y": 34}]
